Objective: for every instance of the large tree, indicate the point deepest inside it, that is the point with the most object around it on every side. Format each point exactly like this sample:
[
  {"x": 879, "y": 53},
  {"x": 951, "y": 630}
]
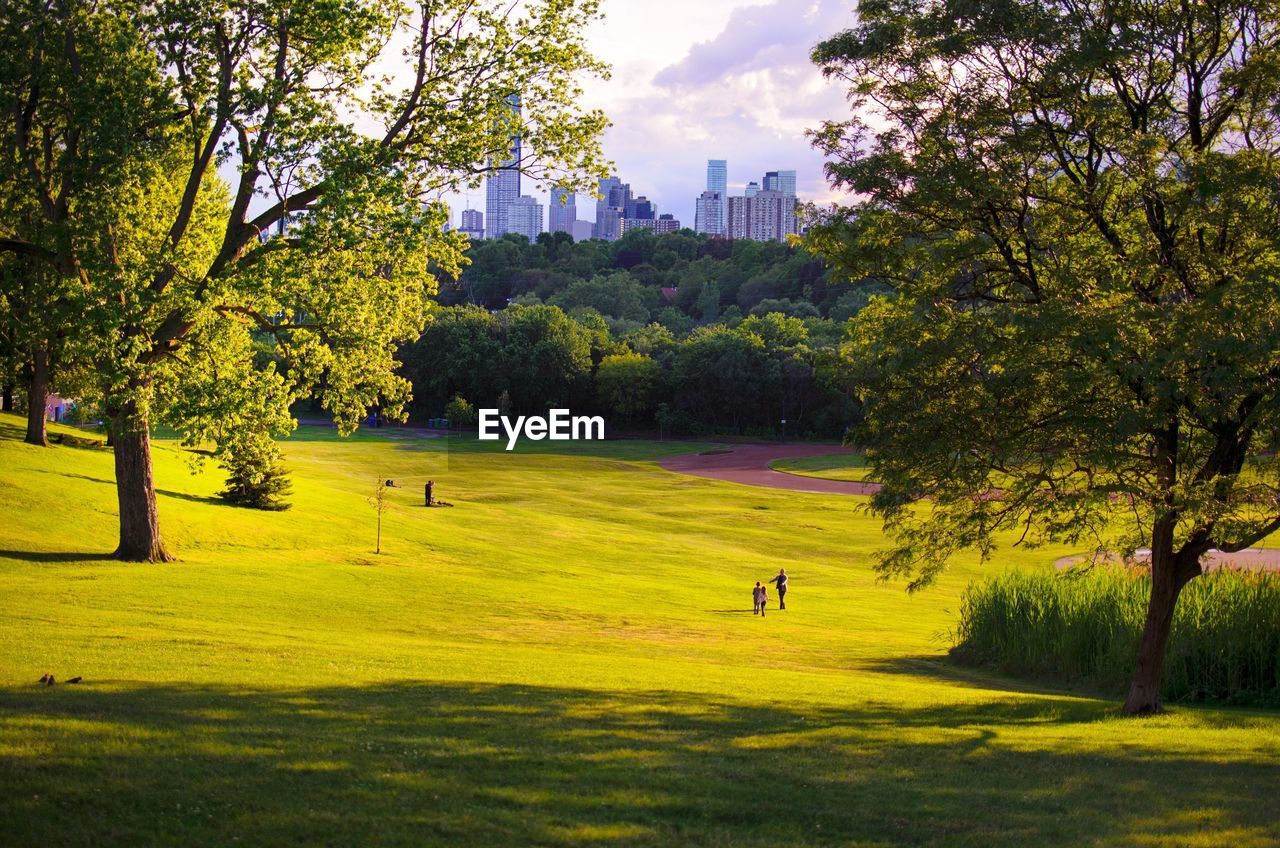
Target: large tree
[
  {"x": 337, "y": 124},
  {"x": 1075, "y": 203}
]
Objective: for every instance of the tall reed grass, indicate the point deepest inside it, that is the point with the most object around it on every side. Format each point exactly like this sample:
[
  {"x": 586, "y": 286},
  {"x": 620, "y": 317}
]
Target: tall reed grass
[{"x": 1083, "y": 626}]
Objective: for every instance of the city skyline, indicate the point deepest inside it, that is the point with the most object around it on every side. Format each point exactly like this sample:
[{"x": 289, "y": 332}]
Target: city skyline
[
  {"x": 735, "y": 83},
  {"x": 759, "y": 214}
]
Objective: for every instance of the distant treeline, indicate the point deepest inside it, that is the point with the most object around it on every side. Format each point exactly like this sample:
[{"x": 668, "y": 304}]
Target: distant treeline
[
  {"x": 708, "y": 280},
  {"x": 720, "y": 378},
  {"x": 745, "y": 336}
]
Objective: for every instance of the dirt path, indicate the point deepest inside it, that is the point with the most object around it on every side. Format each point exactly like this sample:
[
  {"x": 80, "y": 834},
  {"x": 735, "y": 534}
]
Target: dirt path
[{"x": 749, "y": 464}]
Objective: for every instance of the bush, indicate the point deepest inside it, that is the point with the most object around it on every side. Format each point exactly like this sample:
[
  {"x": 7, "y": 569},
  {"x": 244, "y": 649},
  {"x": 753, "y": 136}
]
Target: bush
[
  {"x": 460, "y": 413},
  {"x": 1083, "y": 627}
]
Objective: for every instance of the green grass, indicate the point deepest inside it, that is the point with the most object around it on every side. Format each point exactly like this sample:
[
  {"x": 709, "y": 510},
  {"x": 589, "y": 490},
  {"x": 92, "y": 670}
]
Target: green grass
[
  {"x": 850, "y": 467},
  {"x": 566, "y": 657}
]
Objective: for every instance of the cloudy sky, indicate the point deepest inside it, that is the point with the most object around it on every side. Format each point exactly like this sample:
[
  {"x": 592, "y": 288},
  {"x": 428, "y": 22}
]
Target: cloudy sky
[{"x": 711, "y": 79}]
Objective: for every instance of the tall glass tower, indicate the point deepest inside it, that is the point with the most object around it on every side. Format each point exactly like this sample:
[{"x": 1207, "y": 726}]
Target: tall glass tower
[
  {"x": 718, "y": 181},
  {"x": 503, "y": 185},
  {"x": 783, "y": 182},
  {"x": 712, "y": 206}
]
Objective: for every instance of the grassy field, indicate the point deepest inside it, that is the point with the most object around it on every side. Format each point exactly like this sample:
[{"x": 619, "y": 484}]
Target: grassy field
[
  {"x": 851, "y": 467},
  {"x": 566, "y": 657}
]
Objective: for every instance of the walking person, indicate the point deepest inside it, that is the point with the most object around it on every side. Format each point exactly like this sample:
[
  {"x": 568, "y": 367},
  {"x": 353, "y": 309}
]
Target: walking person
[
  {"x": 781, "y": 580},
  {"x": 764, "y": 598},
  {"x": 755, "y": 598}
]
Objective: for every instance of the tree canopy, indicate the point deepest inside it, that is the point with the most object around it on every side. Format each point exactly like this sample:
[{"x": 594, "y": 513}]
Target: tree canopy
[
  {"x": 117, "y": 119},
  {"x": 1074, "y": 205}
]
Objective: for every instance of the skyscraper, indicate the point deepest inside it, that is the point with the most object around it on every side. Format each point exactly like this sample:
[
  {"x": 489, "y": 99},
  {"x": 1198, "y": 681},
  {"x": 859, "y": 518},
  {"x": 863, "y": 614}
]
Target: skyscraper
[
  {"x": 620, "y": 195},
  {"x": 735, "y": 224},
  {"x": 640, "y": 207},
  {"x": 709, "y": 214},
  {"x": 718, "y": 176},
  {"x": 768, "y": 216},
  {"x": 524, "y": 216},
  {"x": 503, "y": 185},
  {"x": 783, "y": 182},
  {"x": 610, "y": 208},
  {"x": 718, "y": 182},
  {"x": 472, "y": 224},
  {"x": 563, "y": 211},
  {"x": 753, "y": 188}
]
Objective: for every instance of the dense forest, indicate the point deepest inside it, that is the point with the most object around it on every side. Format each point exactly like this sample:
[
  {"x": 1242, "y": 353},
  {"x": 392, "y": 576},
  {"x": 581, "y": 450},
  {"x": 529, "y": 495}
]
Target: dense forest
[{"x": 679, "y": 332}]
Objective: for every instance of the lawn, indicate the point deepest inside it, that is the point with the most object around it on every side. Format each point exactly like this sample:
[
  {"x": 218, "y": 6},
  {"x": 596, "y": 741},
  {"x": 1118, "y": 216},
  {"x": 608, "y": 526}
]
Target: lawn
[
  {"x": 842, "y": 466},
  {"x": 565, "y": 657}
]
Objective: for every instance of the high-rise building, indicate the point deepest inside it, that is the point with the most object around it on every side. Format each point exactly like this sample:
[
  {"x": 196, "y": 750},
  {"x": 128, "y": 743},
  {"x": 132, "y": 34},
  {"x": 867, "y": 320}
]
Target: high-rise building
[
  {"x": 753, "y": 188},
  {"x": 709, "y": 214},
  {"x": 582, "y": 230},
  {"x": 768, "y": 216},
  {"x": 611, "y": 208},
  {"x": 736, "y": 223},
  {"x": 783, "y": 182},
  {"x": 640, "y": 207},
  {"x": 503, "y": 185},
  {"x": 605, "y": 189},
  {"x": 524, "y": 216},
  {"x": 608, "y": 224},
  {"x": 718, "y": 176},
  {"x": 787, "y": 183},
  {"x": 563, "y": 211},
  {"x": 717, "y": 181},
  {"x": 667, "y": 224},
  {"x": 472, "y": 224}
]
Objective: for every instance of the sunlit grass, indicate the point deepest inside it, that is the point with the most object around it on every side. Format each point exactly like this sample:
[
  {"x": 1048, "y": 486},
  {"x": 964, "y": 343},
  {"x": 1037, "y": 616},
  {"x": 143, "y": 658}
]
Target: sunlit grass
[
  {"x": 842, "y": 466},
  {"x": 565, "y": 657}
]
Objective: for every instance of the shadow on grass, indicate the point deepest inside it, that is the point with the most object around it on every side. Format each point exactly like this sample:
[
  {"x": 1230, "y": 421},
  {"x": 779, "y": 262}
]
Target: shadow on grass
[
  {"x": 948, "y": 672},
  {"x": 413, "y": 441},
  {"x": 210, "y": 500},
  {"x": 57, "y": 556},
  {"x": 419, "y": 764},
  {"x": 942, "y": 669},
  {"x": 83, "y": 438},
  {"x": 101, "y": 480}
]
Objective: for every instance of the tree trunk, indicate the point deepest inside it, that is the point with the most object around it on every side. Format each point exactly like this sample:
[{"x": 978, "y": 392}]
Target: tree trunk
[
  {"x": 37, "y": 395},
  {"x": 6, "y": 397},
  {"x": 1169, "y": 573},
  {"x": 136, "y": 491}
]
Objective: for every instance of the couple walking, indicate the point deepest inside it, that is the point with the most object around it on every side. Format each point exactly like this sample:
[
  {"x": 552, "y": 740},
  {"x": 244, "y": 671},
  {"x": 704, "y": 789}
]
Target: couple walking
[{"x": 760, "y": 594}]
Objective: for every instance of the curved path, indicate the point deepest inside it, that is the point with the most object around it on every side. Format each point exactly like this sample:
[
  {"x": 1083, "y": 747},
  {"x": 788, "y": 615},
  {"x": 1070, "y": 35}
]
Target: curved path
[{"x": 749, "y": 464}]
